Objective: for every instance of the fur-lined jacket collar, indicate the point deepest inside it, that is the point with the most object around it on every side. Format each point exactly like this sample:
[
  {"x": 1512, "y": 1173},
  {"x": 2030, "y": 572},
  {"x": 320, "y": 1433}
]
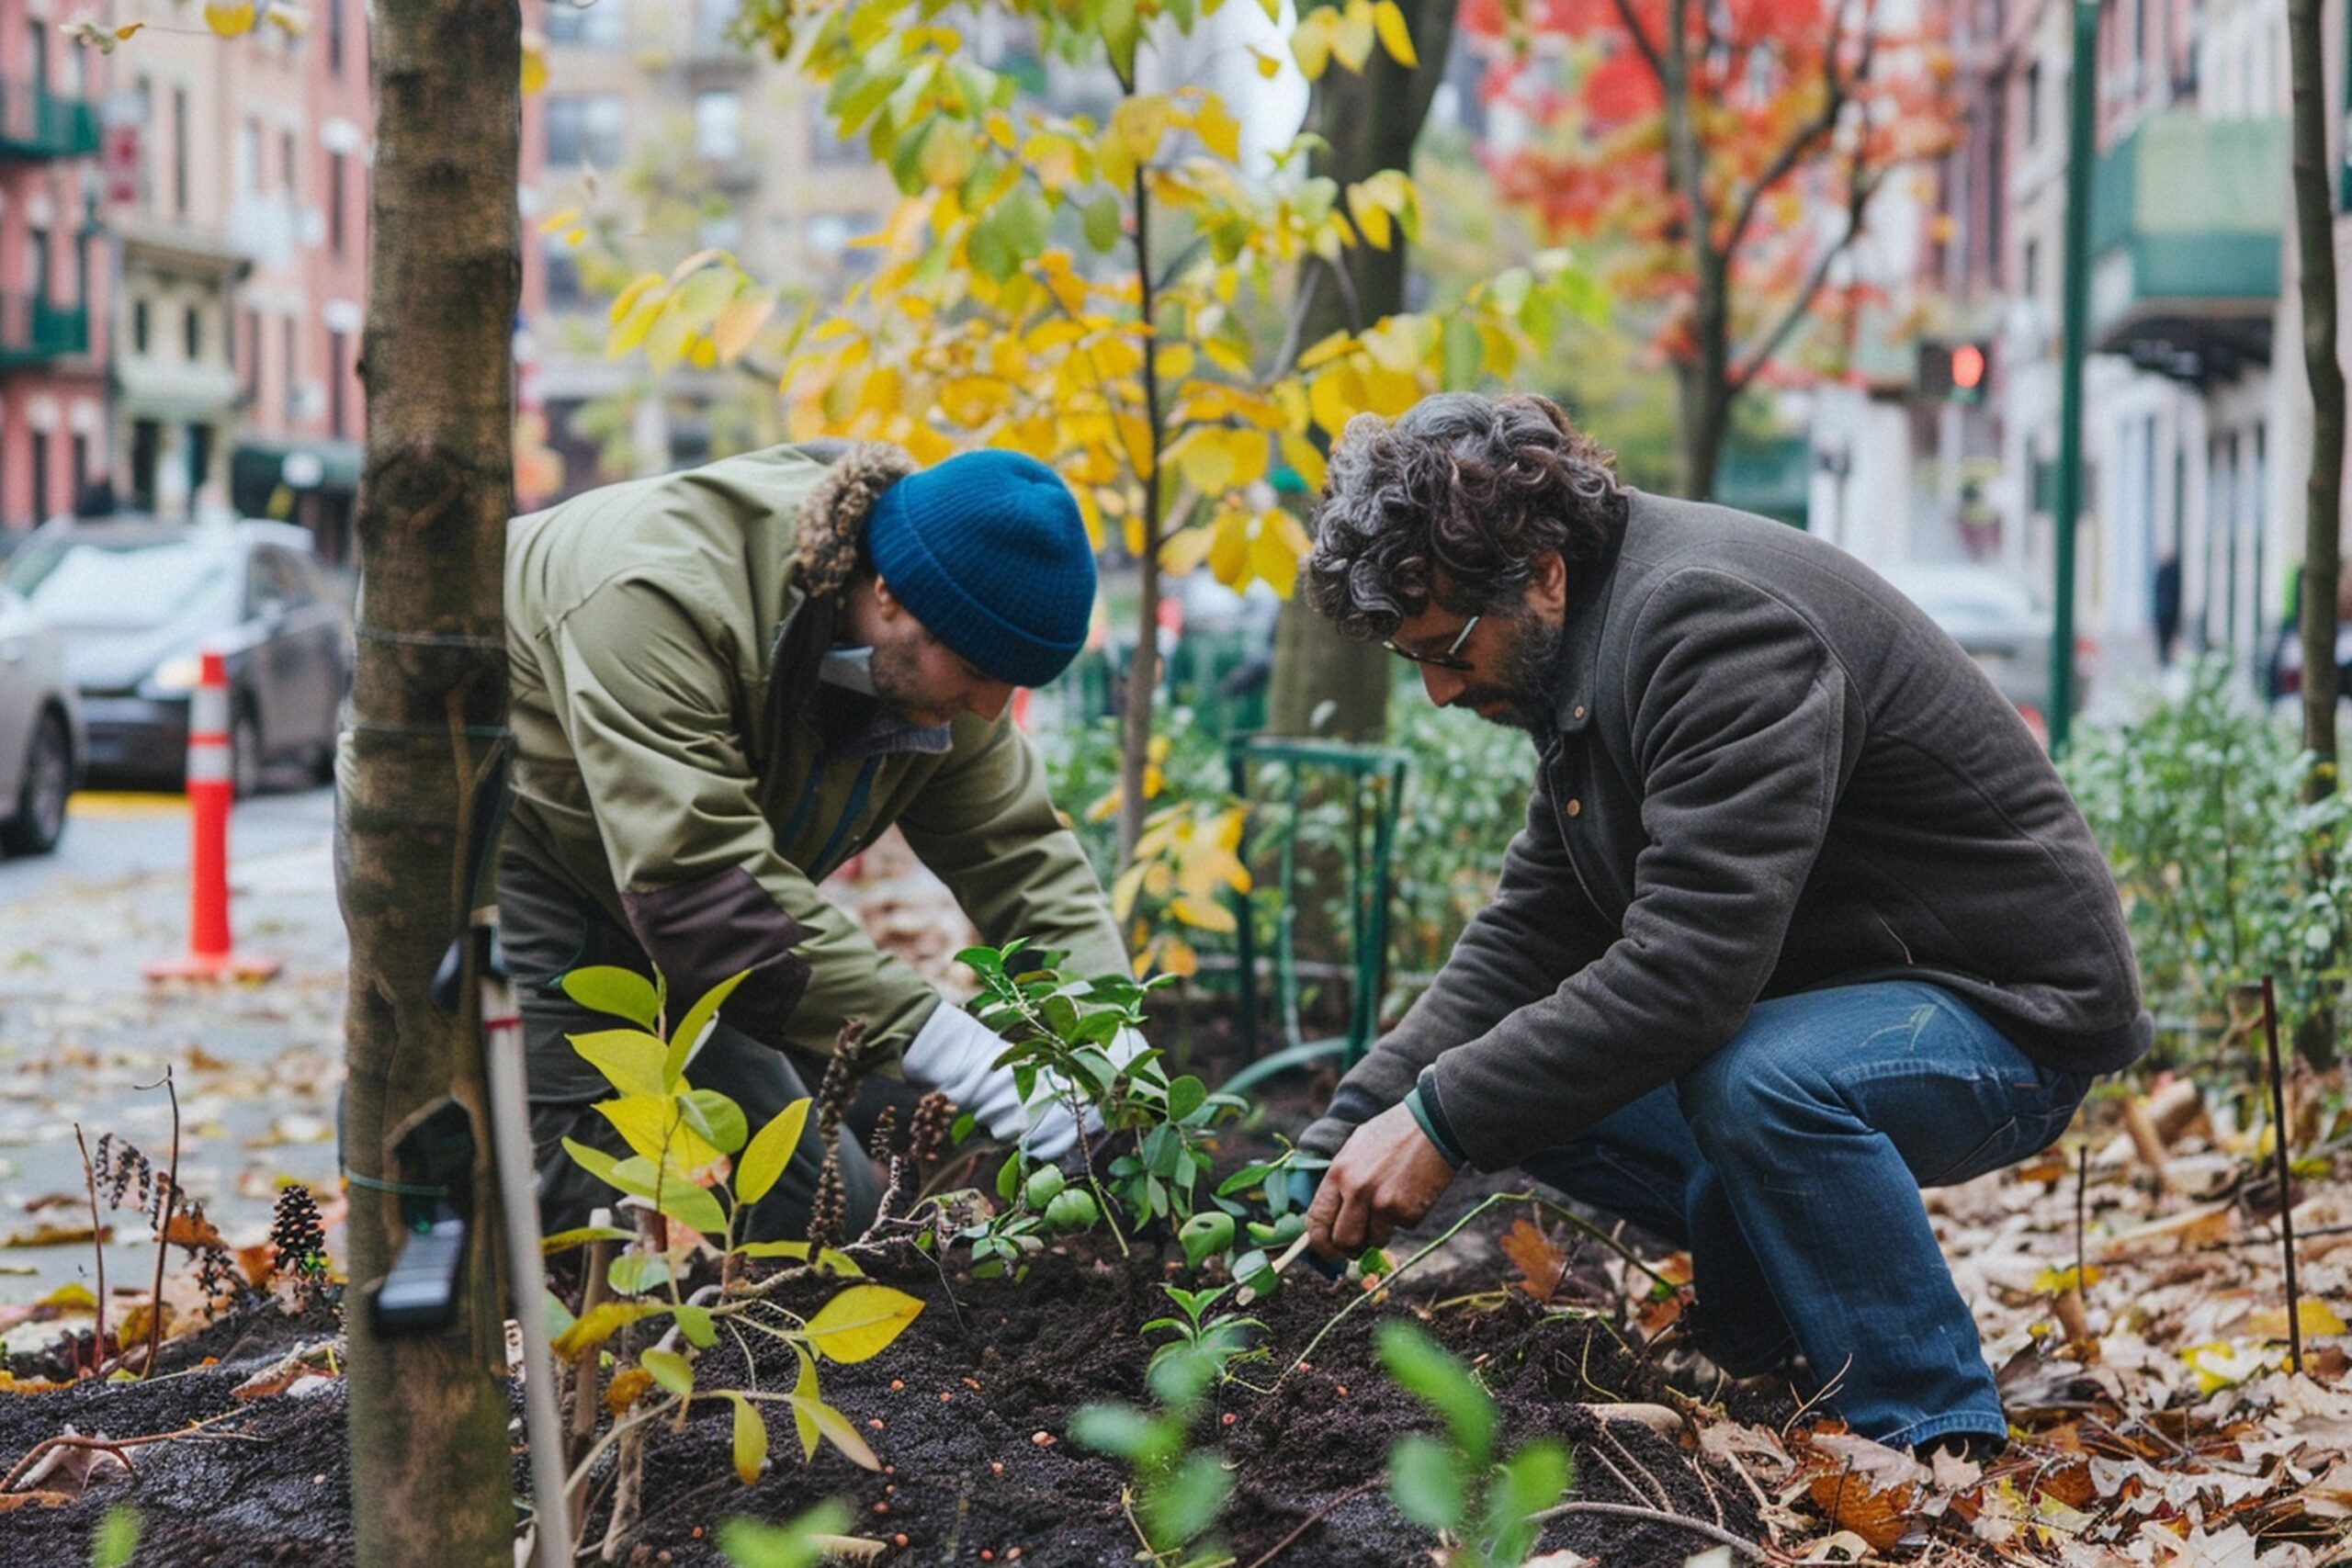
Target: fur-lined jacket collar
[{"x": 831, "y": 524}]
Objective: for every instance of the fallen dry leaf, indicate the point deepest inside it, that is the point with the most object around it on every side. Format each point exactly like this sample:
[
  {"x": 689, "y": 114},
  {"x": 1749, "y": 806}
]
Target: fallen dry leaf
[{"x": 1540, "y": 1261}]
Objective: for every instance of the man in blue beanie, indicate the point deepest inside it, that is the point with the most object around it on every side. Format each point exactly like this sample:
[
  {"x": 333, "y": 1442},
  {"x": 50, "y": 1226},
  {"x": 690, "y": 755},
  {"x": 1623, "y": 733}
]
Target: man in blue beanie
[{"x": 727, "y": 683}]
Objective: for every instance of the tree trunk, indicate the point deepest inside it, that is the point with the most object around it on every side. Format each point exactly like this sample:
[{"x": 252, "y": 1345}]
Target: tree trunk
[
  {"x": 431, "y": 1468},
  {"x": 1702, "y": 414},
  {"x": 1372, "y": 120},
  {"x": 2315, "y": 243}
]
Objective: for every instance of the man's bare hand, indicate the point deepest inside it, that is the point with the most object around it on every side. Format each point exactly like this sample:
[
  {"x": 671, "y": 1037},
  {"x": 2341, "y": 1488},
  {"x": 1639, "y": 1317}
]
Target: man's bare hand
[{"x": 1386, "y": 1175}]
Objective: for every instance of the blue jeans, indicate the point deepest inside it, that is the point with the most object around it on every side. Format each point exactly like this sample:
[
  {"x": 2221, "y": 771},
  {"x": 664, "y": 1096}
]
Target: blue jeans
[{"x": 1789, "y": 1163}]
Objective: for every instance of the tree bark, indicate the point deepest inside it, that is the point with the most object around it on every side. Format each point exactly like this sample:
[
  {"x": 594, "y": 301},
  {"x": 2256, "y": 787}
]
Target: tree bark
[
  {"x": 431, "y": 1469},
  {"x": 1143, "y": 671},
  {"x": 2315, "y": 243},
  {"x": 1372, "y": 120}
]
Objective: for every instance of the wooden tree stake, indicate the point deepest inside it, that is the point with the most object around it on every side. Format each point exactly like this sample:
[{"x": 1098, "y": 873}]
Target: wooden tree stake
[{"x": 2286, "y": 1181}]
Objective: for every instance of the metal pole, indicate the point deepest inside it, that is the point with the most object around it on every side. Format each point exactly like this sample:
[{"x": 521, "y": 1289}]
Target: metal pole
[{"x": 2080, "y": 149}]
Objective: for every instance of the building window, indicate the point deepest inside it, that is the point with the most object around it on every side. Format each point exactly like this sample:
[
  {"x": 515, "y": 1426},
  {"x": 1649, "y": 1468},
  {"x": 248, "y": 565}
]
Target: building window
[
  {"x": 293, "y": 357},
  {"x": 251, "y": 379},
  {"x": 139, "y": 321},
  {"x": 2032, "y": 269},
  {"x": 200, "y": 457},
  {"x": 2033, "y": 106},
  {"x": 598, "y": 25},
  {"x": 337, "y": 402},
  {"x": 249, "y": 159},
  {"x": 192, "y": 335},
  {"x": 79, "y": 456},
  {"x": 713, "y": 21},
  {"x": 289, "y": 165},
  {"x": 146, "y": 448},
  {"x": 585, "y": 129},
  {"x": 179, "y": 152},
  {"x": 41, "y": 475},
  {"x": 718, "y": 126},
  {"x": 334, "y": 37},
  {"x": 565, "y": 290},
  {"x": 335, "y": 202},
  {"x": 36, "y": 264}
]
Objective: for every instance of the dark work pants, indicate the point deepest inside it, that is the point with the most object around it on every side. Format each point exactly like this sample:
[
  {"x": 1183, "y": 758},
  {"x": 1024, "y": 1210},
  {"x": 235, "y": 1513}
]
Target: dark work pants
[{"x": 547, "y": 931}]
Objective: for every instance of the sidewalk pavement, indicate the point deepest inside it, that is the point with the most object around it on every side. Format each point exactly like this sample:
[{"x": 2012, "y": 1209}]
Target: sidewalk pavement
[{"x": 85, "y": 1041}]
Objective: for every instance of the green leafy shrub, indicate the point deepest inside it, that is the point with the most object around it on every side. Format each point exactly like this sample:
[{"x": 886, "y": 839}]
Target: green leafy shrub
[
  {"x": 1059, "y": 1032},
  {"x": 2226, "y": 874}
]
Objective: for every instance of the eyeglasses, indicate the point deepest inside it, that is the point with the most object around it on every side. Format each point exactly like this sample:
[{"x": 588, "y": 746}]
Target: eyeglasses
[{"x": 1450, "y": 659}]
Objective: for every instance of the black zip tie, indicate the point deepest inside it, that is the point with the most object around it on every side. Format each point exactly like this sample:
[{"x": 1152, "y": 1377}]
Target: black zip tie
[{"x": 432, "y": 639}]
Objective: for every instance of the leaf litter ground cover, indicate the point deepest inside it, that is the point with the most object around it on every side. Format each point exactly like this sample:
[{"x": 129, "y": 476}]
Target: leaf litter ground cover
[
  {"x": 2165, "y": 1435},
  {"x": 2155, "y": 1425}
]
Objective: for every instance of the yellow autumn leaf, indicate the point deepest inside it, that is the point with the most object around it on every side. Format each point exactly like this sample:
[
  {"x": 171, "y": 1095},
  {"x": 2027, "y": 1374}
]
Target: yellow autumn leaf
[
  {"x": 230, "y": 18},
  {"x": 1217, "y": 128},
  {"x": 1388, "y": 20},
  {"x": 628, "y": 298},
  {"x": 1390, "y": 392},
  {"x": 2314, "y": 1316},
  {"x": 738, "y": 323},
  {"x": 1203, "y": 915},
  {"x": 557, "y": 222},
  {"x": 1229, "y": 554},
  {"x": 1311, "y": 42},
  {"x": 1186, "y": 549},
  {"x": 1352, "y": 40},
  {"x": 861, "y": 1321},
  {"x": 1335, "y": 397},
  {"x": 1304, "y": 459},
  {"x": 1272, "y": 561},
  {"x": 1373, "y": 223},
  {"x": 1176, "y": 956}
]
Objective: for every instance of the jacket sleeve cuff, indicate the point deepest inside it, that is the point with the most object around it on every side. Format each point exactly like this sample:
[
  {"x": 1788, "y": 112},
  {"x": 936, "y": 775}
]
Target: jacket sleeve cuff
[{"x": 1429, "y": 1114}]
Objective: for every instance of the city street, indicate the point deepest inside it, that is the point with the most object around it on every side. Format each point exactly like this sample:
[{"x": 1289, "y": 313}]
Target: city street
[{"x": 84, "y": 1039}]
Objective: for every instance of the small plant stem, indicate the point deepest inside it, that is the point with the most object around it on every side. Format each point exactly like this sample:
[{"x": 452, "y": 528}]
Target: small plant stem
[
  {"x": 1492, "y": 1200},
  {"x": 2279, "y": 1155},
  {"x": 2082, "y": 1200},
  {"x": 162, "y": 1231},
  {"x": 1717, "y": 1533},
  {"x": 97, "y": 1246},
  {"x": 1323, "y": 1512}
]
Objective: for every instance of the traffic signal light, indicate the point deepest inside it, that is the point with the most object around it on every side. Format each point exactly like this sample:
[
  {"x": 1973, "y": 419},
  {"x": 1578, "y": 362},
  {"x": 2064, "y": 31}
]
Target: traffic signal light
[{"x": 1954, "y": 372}]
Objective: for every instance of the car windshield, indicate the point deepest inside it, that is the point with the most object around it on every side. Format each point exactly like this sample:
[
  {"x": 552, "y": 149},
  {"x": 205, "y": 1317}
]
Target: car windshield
[{"x": 127, "y": 586}]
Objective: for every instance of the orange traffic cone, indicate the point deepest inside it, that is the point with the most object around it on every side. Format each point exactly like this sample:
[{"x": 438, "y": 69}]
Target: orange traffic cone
[{"x": 211, "y": 790}]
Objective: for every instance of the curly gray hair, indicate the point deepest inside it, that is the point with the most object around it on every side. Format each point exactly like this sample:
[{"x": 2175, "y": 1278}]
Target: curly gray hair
[{"x": 1452, "y": 502}]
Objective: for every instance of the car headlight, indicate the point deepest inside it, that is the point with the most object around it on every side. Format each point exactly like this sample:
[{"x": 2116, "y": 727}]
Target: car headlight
[{"x": 174, "y": 676}]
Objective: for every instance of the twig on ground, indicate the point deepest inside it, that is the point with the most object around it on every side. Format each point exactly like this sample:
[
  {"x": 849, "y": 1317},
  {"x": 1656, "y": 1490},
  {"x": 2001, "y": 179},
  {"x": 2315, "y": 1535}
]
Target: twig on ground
[
  {"x": 2278, "y": 1134},
  {"x": 164, "y": 1229},
  {"x": 1323, "y": 1512},
  {"x": 97, "y": 1246},
  {"x": 1717, "y": 1533}
]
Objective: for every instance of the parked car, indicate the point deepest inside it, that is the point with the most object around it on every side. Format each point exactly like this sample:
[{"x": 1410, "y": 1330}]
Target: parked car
[
  {"x": 1998, "y": 621},
  {"x": 41, "y": 742},
  {"x": 139, "y": 603}
]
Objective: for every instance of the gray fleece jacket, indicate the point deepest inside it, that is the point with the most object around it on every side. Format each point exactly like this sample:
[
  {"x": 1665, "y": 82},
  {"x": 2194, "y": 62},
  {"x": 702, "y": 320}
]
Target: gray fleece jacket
[{"x": 1770, "y": 773}]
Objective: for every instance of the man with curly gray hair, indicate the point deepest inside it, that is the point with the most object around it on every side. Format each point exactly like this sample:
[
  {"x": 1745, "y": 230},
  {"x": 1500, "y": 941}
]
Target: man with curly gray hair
[{"x": 1802, "y": 919}]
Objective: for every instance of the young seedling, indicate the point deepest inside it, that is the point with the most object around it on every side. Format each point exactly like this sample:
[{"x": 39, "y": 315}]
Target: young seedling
[
  {"x": 1216, "y": 1342},
  {"x": 1178, "y": 1491},
  {"x": 695, "y": 1163},
  {"x": 1483, "y": 1510}
]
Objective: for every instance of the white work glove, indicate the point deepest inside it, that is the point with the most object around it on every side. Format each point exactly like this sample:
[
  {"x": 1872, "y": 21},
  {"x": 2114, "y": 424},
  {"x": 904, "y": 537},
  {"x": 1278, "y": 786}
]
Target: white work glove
[{"x": 956, "y": 1053}]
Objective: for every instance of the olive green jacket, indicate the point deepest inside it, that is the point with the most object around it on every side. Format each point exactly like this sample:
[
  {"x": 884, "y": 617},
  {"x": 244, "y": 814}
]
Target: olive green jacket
[{"x": 679, "y": 764}]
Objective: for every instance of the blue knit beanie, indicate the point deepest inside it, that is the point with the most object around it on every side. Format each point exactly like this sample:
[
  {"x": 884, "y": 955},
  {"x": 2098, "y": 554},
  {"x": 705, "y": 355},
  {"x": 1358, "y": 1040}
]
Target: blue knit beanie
[{"x": 989, "y": 552}]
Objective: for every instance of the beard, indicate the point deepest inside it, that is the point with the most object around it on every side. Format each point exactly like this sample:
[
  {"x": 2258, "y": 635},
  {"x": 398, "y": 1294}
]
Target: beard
[
  {"x": 896, "y": 669},
  {"x": 1520, "y": 691}
]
